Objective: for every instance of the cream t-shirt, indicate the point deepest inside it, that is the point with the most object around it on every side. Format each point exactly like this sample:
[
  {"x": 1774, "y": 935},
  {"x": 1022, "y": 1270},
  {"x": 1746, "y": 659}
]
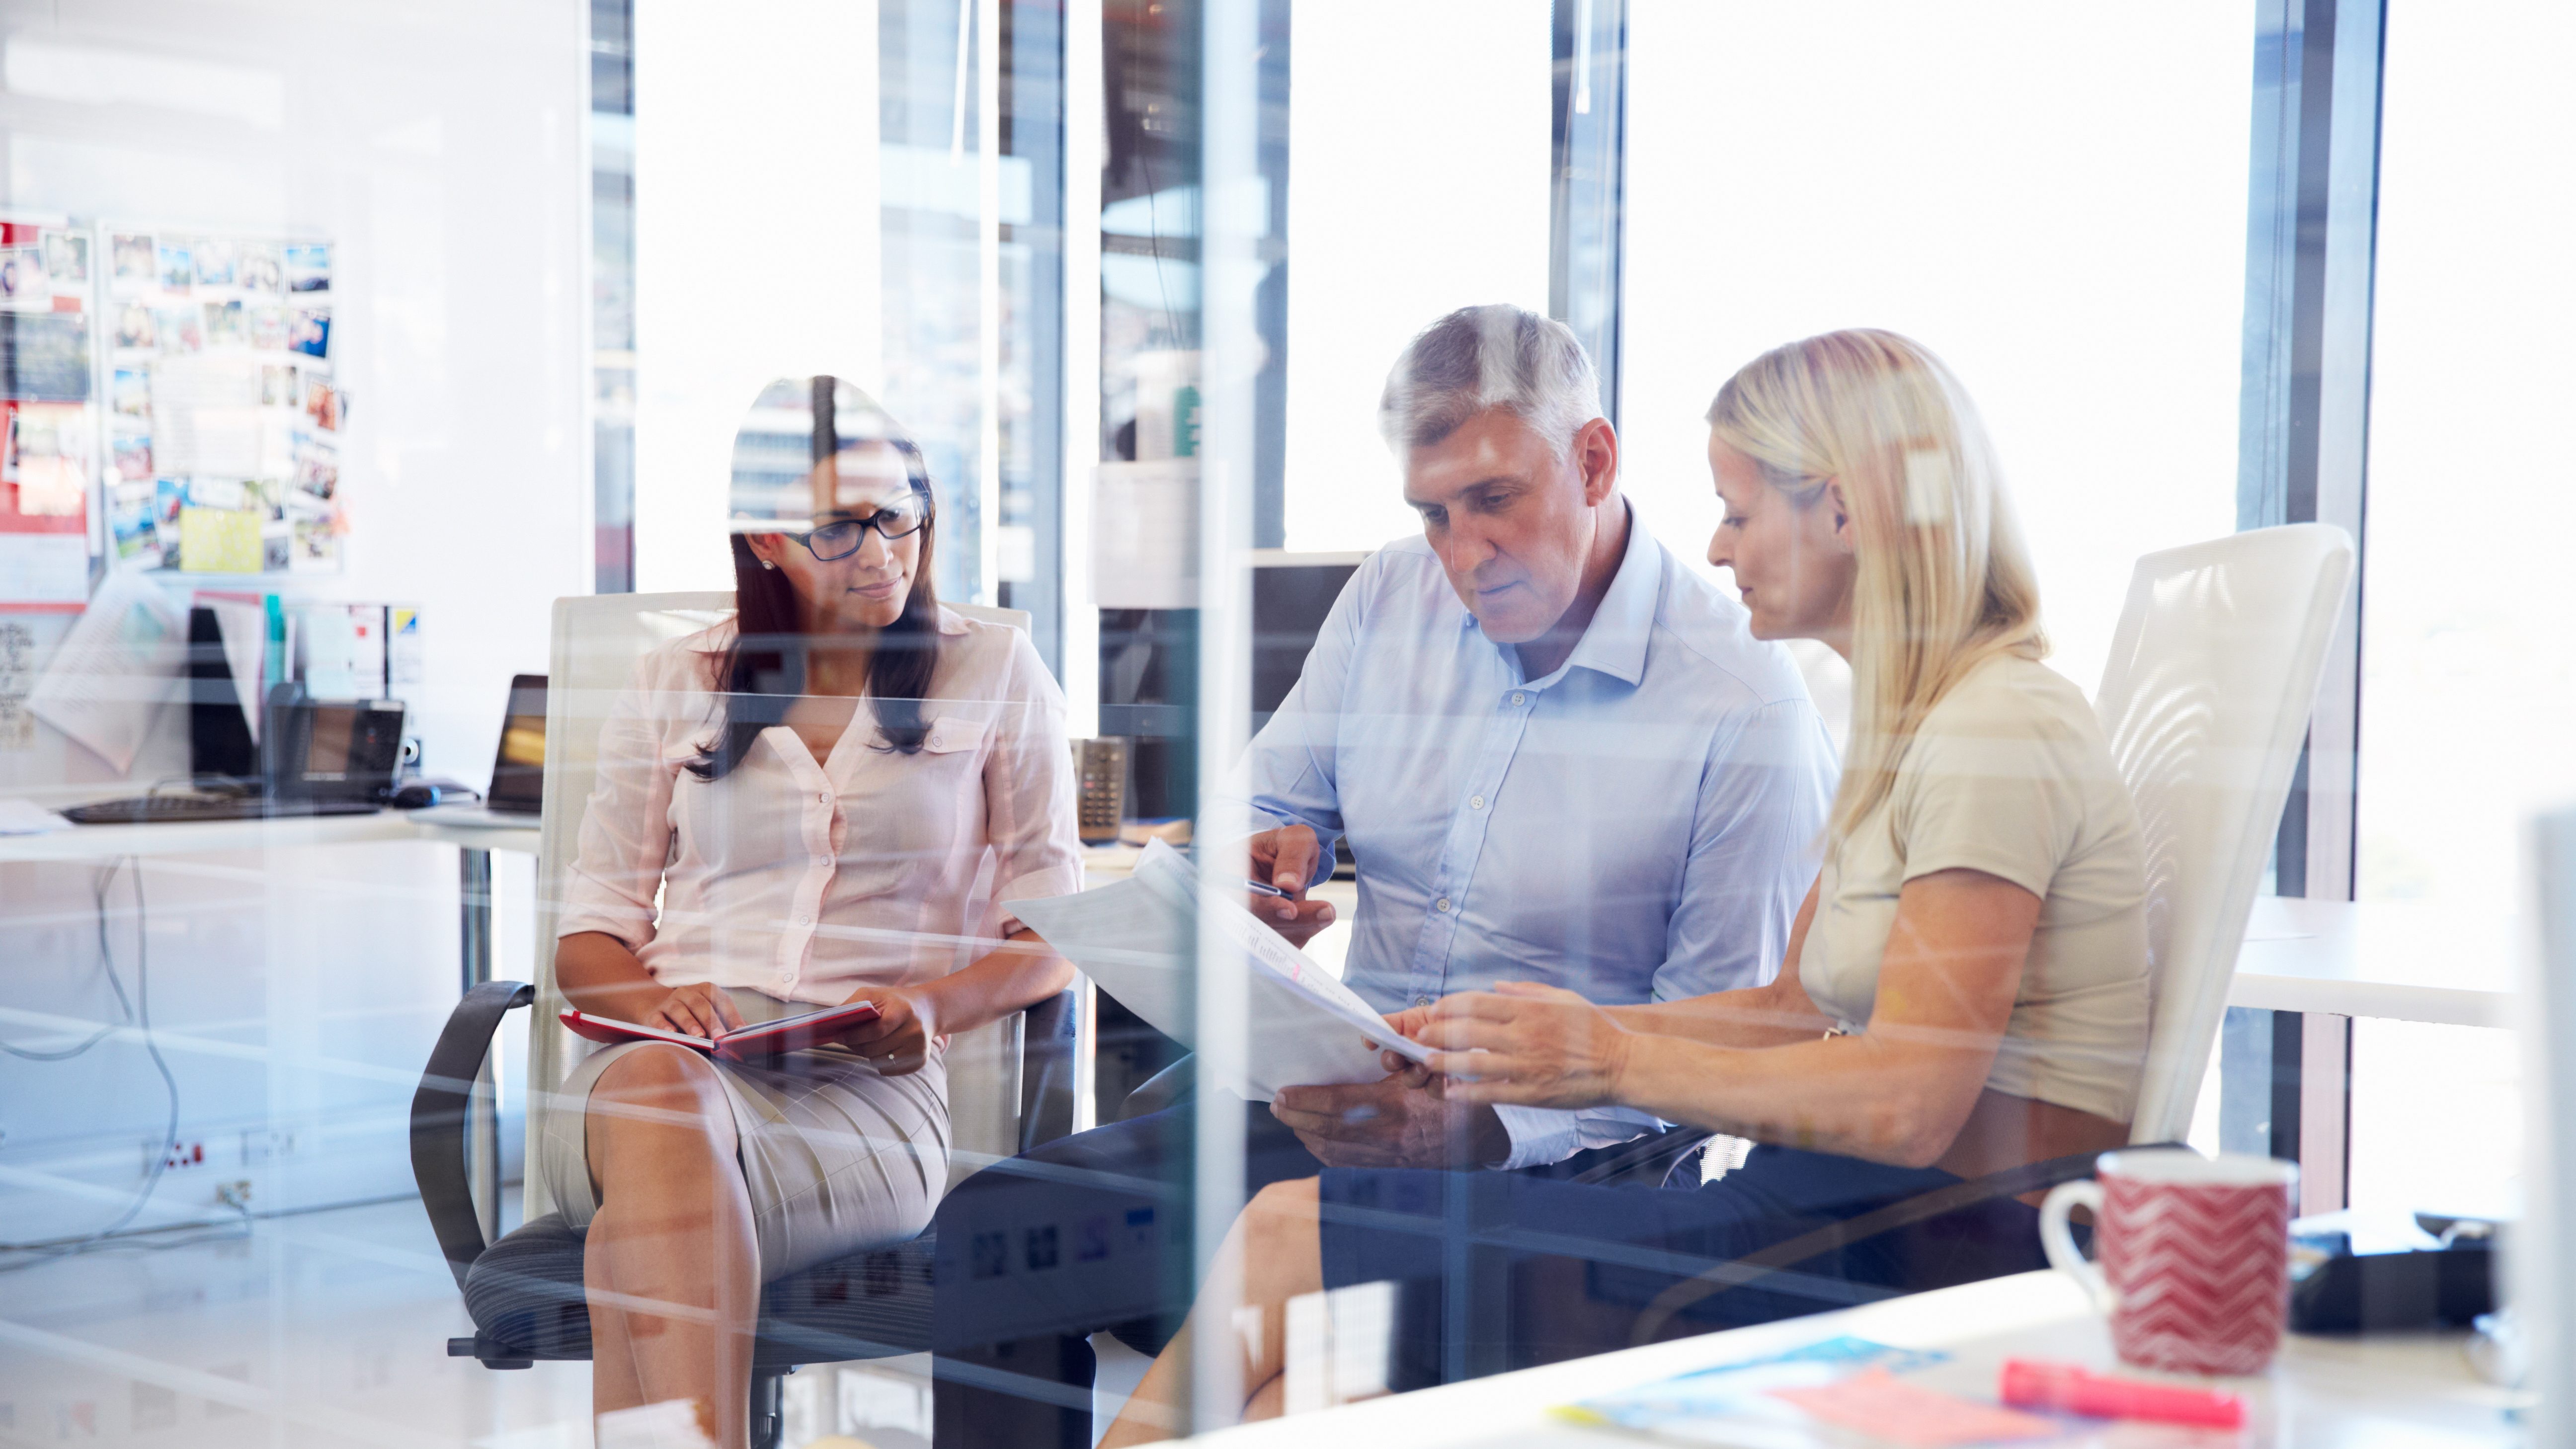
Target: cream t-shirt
[{"x": 2009, "y": 775}]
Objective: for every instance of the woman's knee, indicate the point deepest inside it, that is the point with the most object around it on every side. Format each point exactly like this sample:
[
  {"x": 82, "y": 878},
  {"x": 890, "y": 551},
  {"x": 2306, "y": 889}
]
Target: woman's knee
[{"x": 652, "y": 1089}]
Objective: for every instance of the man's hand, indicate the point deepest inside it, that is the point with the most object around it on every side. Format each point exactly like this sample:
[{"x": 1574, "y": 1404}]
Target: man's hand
[
  {"x": 1402, "y": 1121},
  {"x": 1287, "y": 859},
  {"x": 898, "y": 1042}
]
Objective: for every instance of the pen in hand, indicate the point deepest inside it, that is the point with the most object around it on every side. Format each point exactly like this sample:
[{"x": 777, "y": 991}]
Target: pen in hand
[{"x": 1264, "y": 888}]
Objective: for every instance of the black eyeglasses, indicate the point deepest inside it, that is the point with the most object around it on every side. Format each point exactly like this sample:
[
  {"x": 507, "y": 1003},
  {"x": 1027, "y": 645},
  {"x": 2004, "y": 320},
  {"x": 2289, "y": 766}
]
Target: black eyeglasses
[{"x": 842, "y": 537}]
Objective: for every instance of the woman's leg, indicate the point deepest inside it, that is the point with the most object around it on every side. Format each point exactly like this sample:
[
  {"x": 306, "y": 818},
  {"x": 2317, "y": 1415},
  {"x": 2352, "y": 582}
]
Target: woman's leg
[
  {"x": 1277, "y": 1250},
  {"x": 671, "y": 1266}
]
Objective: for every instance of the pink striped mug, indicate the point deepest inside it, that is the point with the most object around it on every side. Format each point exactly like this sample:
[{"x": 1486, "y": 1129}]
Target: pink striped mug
[{"x": 2195, "y": 1270}]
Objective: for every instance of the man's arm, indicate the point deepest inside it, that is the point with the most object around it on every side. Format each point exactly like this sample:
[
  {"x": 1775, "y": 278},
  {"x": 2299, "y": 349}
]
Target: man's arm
[{"x": 1764, "y": 795}]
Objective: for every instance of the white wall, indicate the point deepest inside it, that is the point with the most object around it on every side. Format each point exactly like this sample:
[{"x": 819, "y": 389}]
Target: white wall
[
  {"x": 439, "y": 144},
  {"x": 1417, "y": 184},
  {"x": 756, "y": 244}
]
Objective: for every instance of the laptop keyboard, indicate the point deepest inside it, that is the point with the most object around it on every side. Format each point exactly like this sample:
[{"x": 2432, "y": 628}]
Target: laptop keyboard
[{"x": 171, "y": 809}]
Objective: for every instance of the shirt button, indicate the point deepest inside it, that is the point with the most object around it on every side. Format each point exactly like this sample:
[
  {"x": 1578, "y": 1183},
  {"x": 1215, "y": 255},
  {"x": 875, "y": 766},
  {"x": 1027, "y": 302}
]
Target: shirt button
[
  {"x": 1441, "y": 905},
  {"x": 804, "y": 920},
  {"x": 823, "y": 796},
  {"x": 1518, "y": 698},
  {"x": 1422, "y": 1001},
  {"x": 1475, "y": 802}
]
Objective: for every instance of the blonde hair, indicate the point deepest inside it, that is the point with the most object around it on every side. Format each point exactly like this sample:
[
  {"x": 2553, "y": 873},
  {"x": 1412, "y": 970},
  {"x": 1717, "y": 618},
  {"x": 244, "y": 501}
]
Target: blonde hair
[{"x": 1944, "y": 581}]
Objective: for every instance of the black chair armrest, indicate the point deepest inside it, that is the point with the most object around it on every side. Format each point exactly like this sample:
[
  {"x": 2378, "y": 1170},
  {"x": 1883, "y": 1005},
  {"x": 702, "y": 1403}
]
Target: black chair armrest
[
  {"x": 1046, "y": 1070},
  {"x": 1167, "y": 1088},
  {"x": 440, "y": 1110}
]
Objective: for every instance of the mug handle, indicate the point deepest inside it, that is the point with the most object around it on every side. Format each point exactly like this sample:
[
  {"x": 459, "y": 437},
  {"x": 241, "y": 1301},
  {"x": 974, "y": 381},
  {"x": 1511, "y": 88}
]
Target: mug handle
[{"x": 2059, "y": 1244}]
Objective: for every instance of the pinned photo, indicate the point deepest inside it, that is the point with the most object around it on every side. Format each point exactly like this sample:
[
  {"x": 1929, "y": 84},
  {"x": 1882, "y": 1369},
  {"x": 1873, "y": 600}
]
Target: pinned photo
[
  {"x": 257, "y": 268},
  {"x": 129, "y": 392},
  {"x": 169, "y": 495},
  {"x": 182, "y": 329},
  {"x": 224, "y": 325},
  {"x": 308, "y": 266},
  {"x": 134, "y": 325},
  {"x": 214, "y": 262},
  {"x": 317, "y": 543},
  {"x": 67, "y": 258},
  {"x": 317, "y": 468},
  {"x": 277, "y": 387},
  {"x": 133, "y": 455},
  {"x": 22, "y": 279},
  {"x": 178, "y": 273},
  {"x": 137, "y": 531},
  {"x": 130, "y": 260},
  {"x": 268, "y": 329},
  {"x": 322, "y": 405},
  {"x": 310, "y": 334}
]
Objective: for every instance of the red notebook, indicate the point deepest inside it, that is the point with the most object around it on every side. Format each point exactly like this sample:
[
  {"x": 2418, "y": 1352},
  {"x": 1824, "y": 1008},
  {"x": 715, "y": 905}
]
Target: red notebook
[{"x": 765, "y": 1042}]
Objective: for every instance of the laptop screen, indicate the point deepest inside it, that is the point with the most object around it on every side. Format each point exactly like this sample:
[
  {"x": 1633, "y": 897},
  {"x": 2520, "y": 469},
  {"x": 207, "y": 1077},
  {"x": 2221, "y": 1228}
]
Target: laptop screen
[{"x": 519, "y": 770}]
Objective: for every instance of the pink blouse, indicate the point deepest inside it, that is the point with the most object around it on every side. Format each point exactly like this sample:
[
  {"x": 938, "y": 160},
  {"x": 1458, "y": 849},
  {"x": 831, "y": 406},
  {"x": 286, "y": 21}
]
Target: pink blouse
[{"x": 808, "y": 881}]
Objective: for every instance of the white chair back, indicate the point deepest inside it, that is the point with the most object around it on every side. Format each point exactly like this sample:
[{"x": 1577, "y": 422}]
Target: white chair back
[
  {"x": 597, "y": 640},
  {"x": 2206, "y": 700}
]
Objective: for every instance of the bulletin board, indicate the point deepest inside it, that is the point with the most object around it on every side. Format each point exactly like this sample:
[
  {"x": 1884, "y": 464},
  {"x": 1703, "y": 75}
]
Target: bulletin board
[
  {"x": 225, "y": 416},
  {"x": 48, "y": 417}
]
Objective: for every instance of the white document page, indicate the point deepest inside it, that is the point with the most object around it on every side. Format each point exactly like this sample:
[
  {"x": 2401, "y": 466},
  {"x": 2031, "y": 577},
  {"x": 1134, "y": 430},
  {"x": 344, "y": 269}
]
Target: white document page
[
  {"x": 114, "y": 671},
  {"x": 1136, "y": 938}
]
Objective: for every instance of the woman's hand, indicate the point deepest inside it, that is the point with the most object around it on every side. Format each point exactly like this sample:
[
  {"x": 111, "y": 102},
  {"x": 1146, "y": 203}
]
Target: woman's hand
[
  {"x": 898, "y": 1042},
  {"x": 701, "y": 1009},
  {"x": 1533, "y": 1045},
  {"x": 1408, "y": 1024}
]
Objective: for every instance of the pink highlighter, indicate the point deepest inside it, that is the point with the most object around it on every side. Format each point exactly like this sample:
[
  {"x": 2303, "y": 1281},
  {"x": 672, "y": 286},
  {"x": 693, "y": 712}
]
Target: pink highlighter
[{"x": 2069, "y": 1389}]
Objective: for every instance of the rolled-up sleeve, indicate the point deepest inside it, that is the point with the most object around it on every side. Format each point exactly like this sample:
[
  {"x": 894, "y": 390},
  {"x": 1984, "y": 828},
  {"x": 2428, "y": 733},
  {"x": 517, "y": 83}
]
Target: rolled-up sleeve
[
  {"x": 626, "y": 828},
  {"x": 1029, "y": 790}
]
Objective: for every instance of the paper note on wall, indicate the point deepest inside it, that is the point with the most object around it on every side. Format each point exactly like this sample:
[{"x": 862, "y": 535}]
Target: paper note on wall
[
  {"x": 44, "y": 568},
  {"x": 114, "y": 671},
  {"x": 206, "y": 417},
  {"x": 219, "y": 540},
  {"x": 1145, "y": 536}
]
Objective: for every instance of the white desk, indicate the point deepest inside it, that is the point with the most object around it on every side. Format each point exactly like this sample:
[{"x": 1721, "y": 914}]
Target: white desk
[
  {"x": 475, "y": 832},
  {"x": 2384, "y": 959},
  {"x": 2351, "y": 1393}
]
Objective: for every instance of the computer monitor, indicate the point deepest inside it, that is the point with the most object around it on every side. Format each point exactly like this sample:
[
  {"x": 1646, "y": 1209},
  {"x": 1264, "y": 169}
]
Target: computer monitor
[
  {"x": 331, "y": 749},
  {"x": 1291, "y": 595},
  {"x": 519, "y": 768}
]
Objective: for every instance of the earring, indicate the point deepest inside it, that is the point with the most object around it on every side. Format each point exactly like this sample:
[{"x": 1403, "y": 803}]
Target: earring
[{"x": 768, "y": 563}]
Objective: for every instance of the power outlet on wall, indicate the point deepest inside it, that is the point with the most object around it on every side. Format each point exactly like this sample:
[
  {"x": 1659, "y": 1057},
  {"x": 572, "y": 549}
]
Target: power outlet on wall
[
  {"x": 264, "y": 1145},
  {"x": 183, "y": 1153}
]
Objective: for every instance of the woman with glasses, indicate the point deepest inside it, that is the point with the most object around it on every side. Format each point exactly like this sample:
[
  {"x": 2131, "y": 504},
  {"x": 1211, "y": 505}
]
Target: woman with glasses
[{"x": 832, "y": 797}]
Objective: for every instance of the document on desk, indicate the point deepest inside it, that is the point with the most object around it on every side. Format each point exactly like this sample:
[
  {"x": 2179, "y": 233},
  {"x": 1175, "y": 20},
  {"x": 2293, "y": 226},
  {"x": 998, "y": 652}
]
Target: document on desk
[{"x": 1138, "y": 939}]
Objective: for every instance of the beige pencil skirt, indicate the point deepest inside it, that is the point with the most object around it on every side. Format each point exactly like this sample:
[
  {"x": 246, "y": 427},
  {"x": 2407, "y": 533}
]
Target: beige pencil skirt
[{"x": 835, "y": 1156}]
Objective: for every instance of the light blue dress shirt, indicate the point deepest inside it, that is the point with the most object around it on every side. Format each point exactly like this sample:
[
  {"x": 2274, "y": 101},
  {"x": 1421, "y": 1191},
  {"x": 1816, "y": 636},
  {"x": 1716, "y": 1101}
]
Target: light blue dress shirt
[{"x": 1639, "y": 825}]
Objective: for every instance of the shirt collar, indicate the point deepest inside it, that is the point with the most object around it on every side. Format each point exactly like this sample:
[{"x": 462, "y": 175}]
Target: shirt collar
[{"x": 1614, "y": 643}]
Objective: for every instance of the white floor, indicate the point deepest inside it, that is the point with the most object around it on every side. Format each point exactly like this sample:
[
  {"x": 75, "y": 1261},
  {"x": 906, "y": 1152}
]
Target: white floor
[{"x": 325, "y": 1329}]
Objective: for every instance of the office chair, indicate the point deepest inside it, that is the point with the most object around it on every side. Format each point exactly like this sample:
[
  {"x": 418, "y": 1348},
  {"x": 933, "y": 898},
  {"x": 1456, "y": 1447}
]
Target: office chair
[
  {"x": 2205, "y": 700},
  {"x": 1010, "y": 1085}
]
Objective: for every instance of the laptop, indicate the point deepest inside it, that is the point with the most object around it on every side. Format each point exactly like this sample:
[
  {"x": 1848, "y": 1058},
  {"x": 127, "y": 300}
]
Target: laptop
[
  {"x": 519, "y": 769},
  {"x": 320, "y": 757}
]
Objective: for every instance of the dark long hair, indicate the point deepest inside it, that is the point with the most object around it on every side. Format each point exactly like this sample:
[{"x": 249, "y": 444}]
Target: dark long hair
[{"x": 764, "y": 669}]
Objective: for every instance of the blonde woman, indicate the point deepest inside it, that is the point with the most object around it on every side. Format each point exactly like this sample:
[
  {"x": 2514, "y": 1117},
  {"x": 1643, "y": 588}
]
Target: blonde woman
[{"x": 1964, "y": 992}]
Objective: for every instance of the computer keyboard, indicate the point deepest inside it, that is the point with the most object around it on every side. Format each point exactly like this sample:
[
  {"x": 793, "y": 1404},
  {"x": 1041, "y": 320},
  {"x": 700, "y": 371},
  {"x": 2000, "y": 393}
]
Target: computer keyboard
[{"x": 171, "y": 809}]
